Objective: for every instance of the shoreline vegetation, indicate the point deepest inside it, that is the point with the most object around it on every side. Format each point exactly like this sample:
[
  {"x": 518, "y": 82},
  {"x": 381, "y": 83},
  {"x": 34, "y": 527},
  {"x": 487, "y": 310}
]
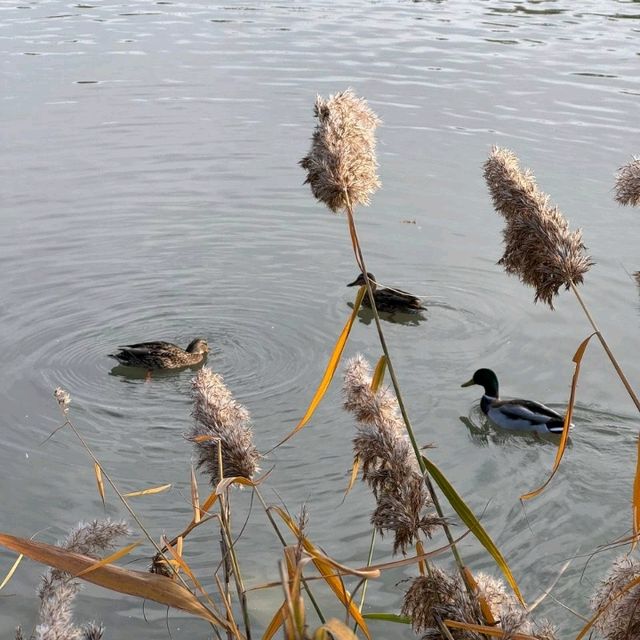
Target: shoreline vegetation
[{"x": 414, "y": 501}]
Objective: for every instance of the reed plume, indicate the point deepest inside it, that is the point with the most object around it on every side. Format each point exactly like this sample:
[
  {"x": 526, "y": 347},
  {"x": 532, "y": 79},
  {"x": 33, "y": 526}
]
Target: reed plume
[
  {"x": 628, "y": 183},
  {"x": 621, "y": 619},
  {"x": 341, "y": 164},
  {"x": 442, "y": 596},
  {"x": 220, "y": 421},
  {"x": 63, "y": 398},
  {"x": 539, "y": 247},
  {"x": 388, "y": 464},
  {"x": 58, "y": 589}
]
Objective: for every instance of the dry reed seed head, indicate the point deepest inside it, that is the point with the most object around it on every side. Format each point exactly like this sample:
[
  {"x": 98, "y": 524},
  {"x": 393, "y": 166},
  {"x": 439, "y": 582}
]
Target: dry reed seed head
[
  {"x": 63, "y": 398},
  {"x": 628, "y": 183},
  {"x": 539, "y": 247},
  {"x": 341, "y": 164},
  {"x": 545, "y": 630},
  {"x": 92, "y": 631},
  {"x": 636, "y": 277},
  {"x": 442, "y": 595},
  {"x": 506, "y": 609},
  {"x": 621, "y": 619},
  {"x": 58, "y": 589},
  {"x": 220, "y": 421}
]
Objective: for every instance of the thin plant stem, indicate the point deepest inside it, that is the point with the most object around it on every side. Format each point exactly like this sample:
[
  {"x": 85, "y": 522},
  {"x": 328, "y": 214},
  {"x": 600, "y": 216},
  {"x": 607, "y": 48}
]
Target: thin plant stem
[
  {"x": 274, "y": 524},
  {"x": 372, "y": 545},
  {"x": 605, "y": 346},
  {"x": 134, "y": 515},
  {"x": 396, "y": 385}
]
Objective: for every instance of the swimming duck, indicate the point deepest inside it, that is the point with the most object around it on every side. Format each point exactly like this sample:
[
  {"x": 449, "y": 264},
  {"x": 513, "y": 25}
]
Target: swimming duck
[
  {"x": 161, "y": 355},
  {"x": 388, "y": 299},
  {"x": 519, "y": 415}
]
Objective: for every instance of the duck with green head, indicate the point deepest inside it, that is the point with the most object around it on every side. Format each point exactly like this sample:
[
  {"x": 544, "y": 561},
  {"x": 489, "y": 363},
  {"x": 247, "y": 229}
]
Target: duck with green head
[
  {"x": 162, "y": 355},
  {"x": 389, "y": 300},
  {"x": 516, "y": 414}
]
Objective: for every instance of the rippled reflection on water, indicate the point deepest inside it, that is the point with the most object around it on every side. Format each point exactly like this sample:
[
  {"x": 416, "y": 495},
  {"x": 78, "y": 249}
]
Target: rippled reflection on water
[{"x": 151, "y": 191}]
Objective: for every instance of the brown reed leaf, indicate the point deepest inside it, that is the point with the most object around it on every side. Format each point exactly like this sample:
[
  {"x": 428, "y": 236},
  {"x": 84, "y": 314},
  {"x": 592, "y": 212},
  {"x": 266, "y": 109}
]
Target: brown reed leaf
[
  {"x": 136, "y": 583},
  {"x": 635, "y": 502},
  {"x": 627, "y": 186},
  {"x": 539, "y": 247},
  {"x": 341, "y": 164}
]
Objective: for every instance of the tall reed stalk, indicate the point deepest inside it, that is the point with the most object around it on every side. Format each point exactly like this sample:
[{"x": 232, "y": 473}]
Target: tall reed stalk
[{"x": 539, "y": 247}]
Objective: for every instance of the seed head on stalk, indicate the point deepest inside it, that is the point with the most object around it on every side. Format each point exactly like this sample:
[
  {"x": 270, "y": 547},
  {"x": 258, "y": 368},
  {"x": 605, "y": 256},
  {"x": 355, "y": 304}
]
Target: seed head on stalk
[
  {"x": 628, "y": 183},
  {"x": 539, "y": 247},
  {"x": 341, "y": 164},
  {"x": 220, "y": 421}
]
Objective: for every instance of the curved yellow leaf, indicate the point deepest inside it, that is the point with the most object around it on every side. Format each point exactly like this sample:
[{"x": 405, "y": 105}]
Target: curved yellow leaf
[
  {"x": 353, "y": 477},
  {"x": 98, "y": 471},
  {"x": 14, "y": 566},
  {"x": 636, "y": 500},
  {"x": 109, "y": 559},
  {"x": 487, "y": 631},
  {"x": 577, "y": 359},
  {"x": 148, "y": 492},
  {"x": 332, "y": 365},
  {"x": 378, "y": 374}
]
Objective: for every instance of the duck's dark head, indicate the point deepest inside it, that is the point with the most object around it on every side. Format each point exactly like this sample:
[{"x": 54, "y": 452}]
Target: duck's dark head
[
  {"x": 199, "y": 346},
  {"x": 487, "y": 379},
  {"x": 360, "y": 281}
]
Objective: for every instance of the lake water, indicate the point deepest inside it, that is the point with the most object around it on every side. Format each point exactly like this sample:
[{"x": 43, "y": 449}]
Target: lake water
[{"x": 150, "y": 190}]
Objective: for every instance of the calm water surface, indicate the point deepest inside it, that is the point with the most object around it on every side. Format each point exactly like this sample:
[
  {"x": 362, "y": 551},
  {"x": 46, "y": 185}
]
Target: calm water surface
[{"x": 150, "y": 191}]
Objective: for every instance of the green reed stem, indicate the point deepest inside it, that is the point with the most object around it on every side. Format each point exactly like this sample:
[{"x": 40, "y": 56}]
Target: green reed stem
[
  {"x": 372, "y": 545},
  {"x": 396, "y": 385}
]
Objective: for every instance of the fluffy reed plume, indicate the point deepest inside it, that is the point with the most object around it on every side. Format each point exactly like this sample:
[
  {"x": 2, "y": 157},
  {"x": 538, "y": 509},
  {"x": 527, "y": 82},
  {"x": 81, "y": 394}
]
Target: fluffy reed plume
[
  {"x": 636, "y": 277},
  {"x": 58, "y": 589},
  {"x": 220, "y": 421},
  {"x": 341, "y": 164},
  {"x": 388, "y": 464},
  {"x": 621, "y": 619},
  {"x": 63, "y": 398},
  {"x": 628, "y": 183},
  {"x": 539, "y": 247},
  {"x": 443, "y": 596}
]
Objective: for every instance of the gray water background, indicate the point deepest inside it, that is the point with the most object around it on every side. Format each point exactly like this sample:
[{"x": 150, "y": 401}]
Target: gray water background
[{"x": 150, "y": 190}]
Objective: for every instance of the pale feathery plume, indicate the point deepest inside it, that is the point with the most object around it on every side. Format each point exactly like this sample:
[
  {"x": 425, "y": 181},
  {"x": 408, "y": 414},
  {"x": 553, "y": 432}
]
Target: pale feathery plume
[
  {"x": 636, "y": 276},
  {"x": 539, "y": 247},
  {"x": 220, "y": 421},
  {"x": 621, "y": 619},
  {"x": 628, "y": 183},
  {"x": 63, "y": 398},
  {"x": 441, "y": 595},
  {"x": 58, "y": 589},
  {"x": 388, "y": 464},
  {"x": 341, "y": 164}
]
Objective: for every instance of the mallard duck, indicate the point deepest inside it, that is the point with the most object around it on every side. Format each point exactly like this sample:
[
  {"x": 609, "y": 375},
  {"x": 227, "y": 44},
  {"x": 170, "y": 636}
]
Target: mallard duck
[
  {"x": 388, "y": 299},
  {"x": 519, "y": 415},
  {"x": 161, "y": 355}
]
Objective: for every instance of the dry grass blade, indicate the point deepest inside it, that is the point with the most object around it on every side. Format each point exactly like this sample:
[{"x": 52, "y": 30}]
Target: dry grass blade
[
  {"x": 562, "y": 446},
  {"x": 135, "y": 583},
  {"x": 636, "y": 500},
  {"x": 326, "y": 570},
  {"x": 378, "y": 374},
  {"x": 344, "y": 570},
  {"x": 241, "y": 480},
  {"x": 487, "y": 614},
  {"x": 422, "y": 566},
  {"x": 9, "y": 575},
  {"x": 488, "y": 631},
  {"x": 332, "y": 365},
  {"x": 148, "y": 492},
  {"x": 276, "y": 622},
  {"x": 98, "y": 471},
  {"x": 354, "y": 475},
  {"x": 195, "y": 497},
  {"x": 113, "y": 557},
  {"x": 183, "y": 565}
]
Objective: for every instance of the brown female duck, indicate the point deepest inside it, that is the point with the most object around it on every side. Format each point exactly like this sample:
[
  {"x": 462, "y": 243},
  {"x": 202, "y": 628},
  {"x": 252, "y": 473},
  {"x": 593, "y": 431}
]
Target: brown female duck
[
  {"x": 162, "y": 355},
  {"x": 389, "y": 300}
]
